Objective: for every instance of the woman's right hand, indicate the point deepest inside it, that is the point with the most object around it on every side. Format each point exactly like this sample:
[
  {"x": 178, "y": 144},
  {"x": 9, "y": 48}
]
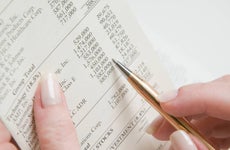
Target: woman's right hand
[{"x": 206, "y": 105}]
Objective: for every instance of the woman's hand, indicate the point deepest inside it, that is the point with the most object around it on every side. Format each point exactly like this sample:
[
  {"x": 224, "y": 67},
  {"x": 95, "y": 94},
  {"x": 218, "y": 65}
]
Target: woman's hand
[
  {"x": 206, "y": 105},
  {"x": 6, "y": 142},
  {"x": 54, "y": 126}
]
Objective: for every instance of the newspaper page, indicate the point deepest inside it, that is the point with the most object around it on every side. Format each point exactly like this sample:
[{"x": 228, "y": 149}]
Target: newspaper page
[{"x": 76, "y": 40}]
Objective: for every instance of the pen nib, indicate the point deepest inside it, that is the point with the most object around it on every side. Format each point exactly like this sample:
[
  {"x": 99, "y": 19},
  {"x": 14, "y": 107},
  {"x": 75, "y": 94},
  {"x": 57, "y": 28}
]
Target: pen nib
[{"x": 125, "y": 71}]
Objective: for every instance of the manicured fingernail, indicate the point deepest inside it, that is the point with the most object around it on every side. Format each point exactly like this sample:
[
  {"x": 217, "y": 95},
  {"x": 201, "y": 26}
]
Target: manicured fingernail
[
  {"x": 168, "y": 96},
  {"x": 151, "y": 129},
  {"x": 50, "y": 90},
  {"x": 181, "y": 140}
]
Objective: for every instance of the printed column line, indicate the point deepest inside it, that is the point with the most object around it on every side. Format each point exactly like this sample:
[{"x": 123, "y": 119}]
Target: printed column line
[
  {"x": 3, "y": 10},
  {"x": 44, "y": 60}
]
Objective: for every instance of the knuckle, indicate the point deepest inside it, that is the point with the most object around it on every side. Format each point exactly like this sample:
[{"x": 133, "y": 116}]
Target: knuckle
[
  {"x": 190, "y": 88},
  {"x": 225, "y": 78}
]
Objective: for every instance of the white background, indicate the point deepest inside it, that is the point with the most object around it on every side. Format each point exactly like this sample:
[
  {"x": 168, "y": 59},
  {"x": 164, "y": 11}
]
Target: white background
[{"x": 195, "y": 34}]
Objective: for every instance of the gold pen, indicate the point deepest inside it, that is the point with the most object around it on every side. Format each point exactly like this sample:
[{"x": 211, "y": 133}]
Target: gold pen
[{"x": 150, "y": 95}]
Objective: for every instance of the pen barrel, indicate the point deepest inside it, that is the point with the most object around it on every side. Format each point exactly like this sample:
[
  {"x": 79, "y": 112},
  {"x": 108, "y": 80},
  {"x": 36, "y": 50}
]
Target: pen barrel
[{"x": 151, "y": 95}]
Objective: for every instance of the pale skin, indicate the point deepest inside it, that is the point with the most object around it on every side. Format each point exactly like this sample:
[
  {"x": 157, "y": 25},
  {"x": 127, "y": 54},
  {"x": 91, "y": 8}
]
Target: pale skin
[
  {"x": 207, "y": 105},
  {"x": 54, "y": 126}
]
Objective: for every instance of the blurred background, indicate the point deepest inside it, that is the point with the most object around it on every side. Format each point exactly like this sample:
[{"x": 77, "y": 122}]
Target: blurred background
[{"x": 192, "y": 38}]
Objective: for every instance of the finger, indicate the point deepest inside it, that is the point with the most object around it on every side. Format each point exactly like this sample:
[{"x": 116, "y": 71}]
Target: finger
[
  {"x": 180, "y": 140},
  {"x": 222, "y": 143},
  {"x": 221, "y": 131},
  {"x": 171, "y": 148},
  {"x": 211, "y": 98},
  {"x": 198, "y": 143},
  {"x": 53, "y": 124},
  {"x": 4, "y": 133},
  {"x": 160, "y": 129},
  {"x": 7, "y": 146},
  {"x": 210, "y": 127},
  {"x": 164, "y": 131}
]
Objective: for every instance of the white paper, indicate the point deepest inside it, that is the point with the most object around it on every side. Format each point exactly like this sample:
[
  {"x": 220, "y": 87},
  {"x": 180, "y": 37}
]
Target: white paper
[{"x": 76, "y": 39}]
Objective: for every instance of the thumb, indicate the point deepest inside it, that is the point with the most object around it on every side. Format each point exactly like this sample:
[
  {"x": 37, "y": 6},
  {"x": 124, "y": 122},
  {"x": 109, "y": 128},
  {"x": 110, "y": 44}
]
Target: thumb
[
  {"x": 54, "y": 127},
  {"x": 212, "y": 98}
]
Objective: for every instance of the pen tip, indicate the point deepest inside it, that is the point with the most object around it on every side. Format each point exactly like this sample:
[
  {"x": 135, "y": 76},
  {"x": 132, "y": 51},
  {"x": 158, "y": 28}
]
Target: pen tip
[
  {"x": 114, "y": 61},
  {"x": 117, "y": 63},
  {"x": 122, "y": 68}
]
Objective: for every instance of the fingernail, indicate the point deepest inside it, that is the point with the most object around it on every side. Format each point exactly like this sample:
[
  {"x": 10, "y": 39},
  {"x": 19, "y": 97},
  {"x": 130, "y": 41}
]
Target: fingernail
[
  {"x": 181, "y": 140},
  {"x": 50, "y": 90},
  {"x": 168, "y": 96},
  {"x": 151, "y": 129}
]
